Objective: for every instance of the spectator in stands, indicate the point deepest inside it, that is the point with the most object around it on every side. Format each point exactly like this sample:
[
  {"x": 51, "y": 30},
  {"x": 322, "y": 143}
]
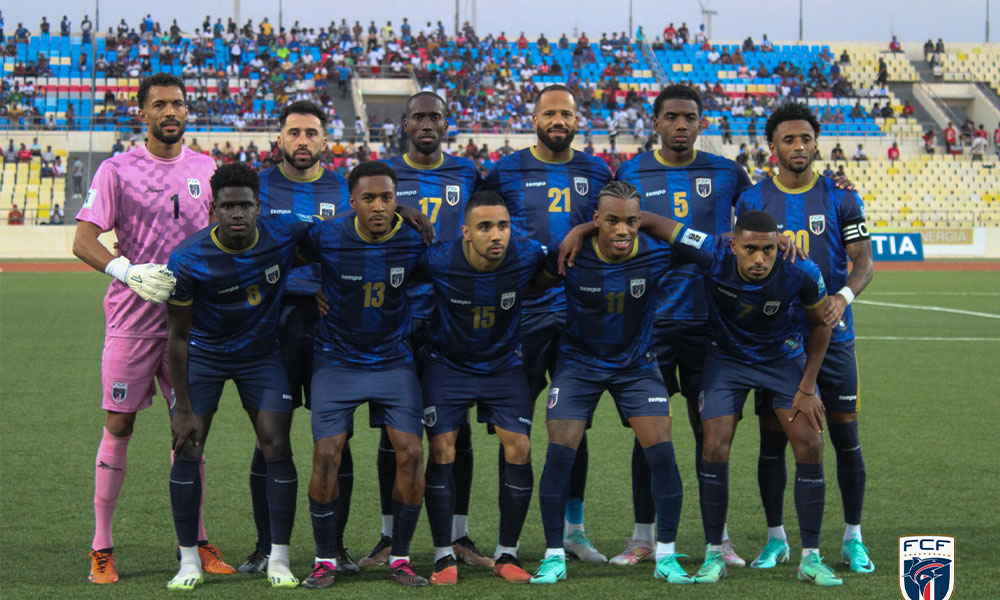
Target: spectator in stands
[
  {"x": 15, "y": 216},
  {"x": 48, "y": 157},
  {"x": 714, "y": 56},
  {"x": 928, "y": 50},
  {"x": 725, "y": 128},
  {"x": 752, "y": 132},
  {"x": 908, "y": 109},
  {"x": 883, "y": 73},
  {"x": 35, "y": 147},
  {"x": 978, "y": 148},
  {"x": 887, "y": 111},
  {"x": 743, "y": 156},
  {"x": 10, "y": 154},
  {"x": 194, "y": 146},
  {"x": 44, "y": 26},
  {"x": 966, "y": 132},
  {"x": 837, "y": 153},
  {"x": 70, "y": 116},
  {"x": 895, "y": 46},
  {"x": 828, "y": 171},
  {"x": 78, "y": 178},
  {"x": 57, "y": 168},
  {"x": 857, "y": 111},
  {"x": 765, "y": 45},
  {"x": 64, "y": 26},
  {"x": 860, "y": 154},
  {"x": 845, "y": 58},
  {"x": 996, "y": 140},
  {"x": 950, "y": 137},
  {"x": 840, "y": 172},
  {"x": 23, "y": 154},
  {"x": 56, "y": 216},
  {"x": 893, "y": 152},
  {"x": 928, "y": 138},
  {"x": 939, "y": 48}
]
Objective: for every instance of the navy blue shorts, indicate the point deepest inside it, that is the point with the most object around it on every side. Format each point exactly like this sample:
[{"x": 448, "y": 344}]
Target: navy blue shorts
[
  {"x": 838, "y": 381},
  {"x": 727, "y": 383},
  {"x": 393, "y": 395},
  {"x": 540, "y": 334},
  {"x": 296, "y": 336},
  {"x": 503, "y": 399},
  {"x": 680, "y": 348},
  {"x": 638, "y": 391},
  {"x": 260, "y": 381}
]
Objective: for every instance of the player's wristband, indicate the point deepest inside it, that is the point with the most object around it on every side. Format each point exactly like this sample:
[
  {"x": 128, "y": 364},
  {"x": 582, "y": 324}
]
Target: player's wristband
[
  {"x": 118, "y": 268},
  {"x": 847, "y": 294}
]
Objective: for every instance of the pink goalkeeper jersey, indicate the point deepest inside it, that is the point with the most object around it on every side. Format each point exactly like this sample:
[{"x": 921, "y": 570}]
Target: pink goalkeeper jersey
[{"x": 152, "y": 204}]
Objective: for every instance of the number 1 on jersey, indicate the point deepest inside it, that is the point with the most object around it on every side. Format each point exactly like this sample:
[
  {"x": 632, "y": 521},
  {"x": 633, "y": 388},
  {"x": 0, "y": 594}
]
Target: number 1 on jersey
[
  {"x": 432, "y": 213},
  {"x": 177, "y": 205},
  {"x": 616, "y": 302}
]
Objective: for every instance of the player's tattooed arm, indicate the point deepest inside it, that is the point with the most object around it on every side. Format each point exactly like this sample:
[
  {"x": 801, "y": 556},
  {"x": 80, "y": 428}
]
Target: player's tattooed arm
[
  {"x": 183, "y": 423},
  {"x": 862, "y": 271},
  {"x": 806, "y": 399},
  {"x": 417, "y": 220}
]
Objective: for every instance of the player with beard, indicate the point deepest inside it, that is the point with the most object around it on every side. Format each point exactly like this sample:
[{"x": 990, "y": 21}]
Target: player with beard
[
  {"x": 299, "y": 185},
  {"x": 549, "y": 188},
  {"x": 153, "y": 197},
  {"x": 439, "y": 185},
  {"x": 829, "y": 224}
]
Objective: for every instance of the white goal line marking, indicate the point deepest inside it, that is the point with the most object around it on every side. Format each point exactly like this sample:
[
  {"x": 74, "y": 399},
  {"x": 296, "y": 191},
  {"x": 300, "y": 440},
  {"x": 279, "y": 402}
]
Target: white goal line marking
[
  {"x": 892, "y": 338},
  {"x": 932, "y": 293},
  {"x": 957, "y": 311}
]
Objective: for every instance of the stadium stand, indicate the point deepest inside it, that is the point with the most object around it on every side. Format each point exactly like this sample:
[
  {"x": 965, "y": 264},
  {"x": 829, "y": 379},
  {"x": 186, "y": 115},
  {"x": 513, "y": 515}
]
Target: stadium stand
[{"x": 981, "y": 63}]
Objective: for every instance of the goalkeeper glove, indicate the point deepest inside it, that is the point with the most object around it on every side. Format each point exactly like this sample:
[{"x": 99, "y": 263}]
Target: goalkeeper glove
[{"x": 153, "y": 282}]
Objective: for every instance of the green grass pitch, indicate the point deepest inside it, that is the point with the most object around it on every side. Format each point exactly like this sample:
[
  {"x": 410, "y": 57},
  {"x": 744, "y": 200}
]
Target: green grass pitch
[{"x": 928, "y": 412}]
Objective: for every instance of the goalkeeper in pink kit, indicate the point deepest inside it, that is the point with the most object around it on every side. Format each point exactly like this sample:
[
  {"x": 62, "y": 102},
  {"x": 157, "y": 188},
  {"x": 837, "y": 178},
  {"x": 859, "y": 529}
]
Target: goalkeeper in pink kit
[{"x": 153, "y": 197}]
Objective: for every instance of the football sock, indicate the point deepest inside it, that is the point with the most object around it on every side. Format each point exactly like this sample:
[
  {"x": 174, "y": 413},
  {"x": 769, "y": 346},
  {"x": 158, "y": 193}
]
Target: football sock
[
  {"x": 699, "y": 442},
  {"x": 345, "y": 483},
  {"x": 771, "y": 475},
  {"x": 578, "y": 484},
  {"x": 459, "y": 526},
  {"x": 851, "y": 531},
  {"x": 644, "y": 532},
  {"x": 561, "y": 552},
  {"x": 202, "y": 535},
  {"x": 810, "y": 493},
  {"x": 443, "y": 551},
  {"x": 386, "y": 464},
  {"x": 713, "y": 480},
  {"x": 463, "y": 474},
  {"x": 777, "y": 532},
  {"x": 282, "y": 490},
  {"x": 501, "y": 550},
  {"x": 725, "y": 533},
  {"x": 553, "y": 492},
  {"x": 664, "y": 549},
  {"x": 850, "y": 469},
  {"x": 324, "y": 525},
  {"x": 642, "y": 496},
  {"x": 514, "y": 502},
  {"x": 387, "y": 525},
  {"x": 258, "y": 499},
  {"x": 190, "y": 560},
  {"x": 404, "y": 523},
  {"x": 667, "y": 489},
  {"x": 109, "y": 475},
  {"x": 185, "y": 489},
  {"x": 439, "y": 495}
]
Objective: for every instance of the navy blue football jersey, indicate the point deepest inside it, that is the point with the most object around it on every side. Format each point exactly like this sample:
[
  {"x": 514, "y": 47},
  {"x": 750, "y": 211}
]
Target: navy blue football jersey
[
  {"x": 611, "y": 305},
  {"x": 440, "y": 192},
  {"x": 751, "y": 322},
  {"x": 700, "y": 194},
  {"x": 546, "y": 200},
  {"x": 820, "y": 219},
  {"x": 324, "y": 196},
  {"x": 477, "y": 314},
  {"x": 365, "y": 282},
  {"x": 235, "y": 295}
]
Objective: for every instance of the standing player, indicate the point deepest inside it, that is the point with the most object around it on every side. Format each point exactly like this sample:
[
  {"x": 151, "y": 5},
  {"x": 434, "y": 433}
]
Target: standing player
[
  {"x": 299, "y": 185},
  {"x": 153, "y": 197},
  {"x": 222, "y": 320},
  {"x": 829, "y": 225},
  {"x": 439, "y": 185},
  {"x": 608, "y": 345},
  {"x": 472, "y": 356},
  {"x": 549, "y": 188},
  {"x": 698, "y": 189},
  {"x": 362, "y": 356}
]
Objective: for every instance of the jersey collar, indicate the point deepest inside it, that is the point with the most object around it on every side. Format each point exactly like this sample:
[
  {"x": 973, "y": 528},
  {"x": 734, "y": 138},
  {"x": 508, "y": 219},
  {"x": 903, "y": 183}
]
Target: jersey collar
[
  {"x": 414, "y": 165},
  {"x": 800, "y": 190},
  {"x": 386, "y": 237},
  {"x": 281, "y": 167},
  {"x": 218, "y": 242},
  {"x": 552, "y": 162},
  {"x": 611, "y": 261},
  {"x": 667, "y": 163}
]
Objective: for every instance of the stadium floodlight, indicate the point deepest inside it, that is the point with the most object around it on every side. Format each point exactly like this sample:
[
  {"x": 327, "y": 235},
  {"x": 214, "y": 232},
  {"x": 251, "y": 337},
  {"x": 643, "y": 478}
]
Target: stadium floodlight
[{"x": 706, "y": 17}]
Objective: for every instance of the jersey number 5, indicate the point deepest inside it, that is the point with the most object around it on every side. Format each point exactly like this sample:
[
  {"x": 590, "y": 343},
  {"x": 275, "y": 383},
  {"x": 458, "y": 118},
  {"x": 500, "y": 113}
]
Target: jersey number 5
[{"x": 680, "y": 204}]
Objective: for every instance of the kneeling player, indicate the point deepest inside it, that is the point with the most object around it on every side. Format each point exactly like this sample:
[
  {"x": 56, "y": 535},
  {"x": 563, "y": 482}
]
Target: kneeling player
[
  {"x": 472, "y": 356},
  {"x": 607, "y": 345},
  {"x": 221, "y": 320}
]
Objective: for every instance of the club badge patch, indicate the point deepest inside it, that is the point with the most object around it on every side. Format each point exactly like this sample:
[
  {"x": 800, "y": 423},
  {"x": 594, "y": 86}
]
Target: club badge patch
[
  {"x": 273, "y": 274},
  {"x": 194, "y": 187},
  {"x": 452, "y": 194},
  {"x": 430, "y": 416},
  {"x": 119, "y": 391},
  {"x": 507, "y": 300},
  {"x": 703, "y": 185},
  {"x": 926, "y": 567},
  {"x": 581, "y": 185},
  {"x": 553, "y": 397},
  {"x": 637, "y": 287},
  {"x": 327, "y": 209},
  {"x": 396, "y": 276},
  {"x": 817, "y": 224},
  {"x": 771, "y": 307}
]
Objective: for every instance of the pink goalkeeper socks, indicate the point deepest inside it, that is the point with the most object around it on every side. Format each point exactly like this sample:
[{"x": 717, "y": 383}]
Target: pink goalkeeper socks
[{"x": 109, "y": 474}]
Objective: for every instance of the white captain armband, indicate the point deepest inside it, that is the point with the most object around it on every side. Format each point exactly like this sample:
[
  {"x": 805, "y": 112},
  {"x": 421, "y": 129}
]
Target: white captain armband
[{"x": 854, "y": 232}]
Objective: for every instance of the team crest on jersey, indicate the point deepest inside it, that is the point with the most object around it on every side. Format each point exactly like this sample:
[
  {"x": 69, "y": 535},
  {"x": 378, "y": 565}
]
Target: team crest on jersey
[
  {"x": 430, "y": 416},
  {"x": 637, "y": 287},
  {"x": 396, "y": 276},
  {"x": 703, "y": 185},
  {"x": 119, "y": 391},
  {"x": 507, "y": 300},
  {"x": 273, "y": 274},
  {"x": 553, "y": 397},
  {"x": 817, "y": 224},
  {"x": 926, "y": 567},
  {"x": 194, "y": 187},
  {"x": 581, "y": 185},
  {"x": 771, "y": 307},
  {"x": 452, "y": 194},
  {"x": 327, "y": 209}
]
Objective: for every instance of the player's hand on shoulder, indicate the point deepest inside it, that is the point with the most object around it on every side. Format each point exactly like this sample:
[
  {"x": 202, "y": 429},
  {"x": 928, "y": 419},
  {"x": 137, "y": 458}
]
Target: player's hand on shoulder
[
  {"x": 322, "y": 304},
  {"x": 843, "y": 183},
  {"x": 154, "y": 283},
  {"x": 810, "y": 407},
  {"x": 835, "y": 306},
  {"x": 571, "y": 245},
  {"x": 417, "y": 220},
  {"x": 789, "y": 250}
]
